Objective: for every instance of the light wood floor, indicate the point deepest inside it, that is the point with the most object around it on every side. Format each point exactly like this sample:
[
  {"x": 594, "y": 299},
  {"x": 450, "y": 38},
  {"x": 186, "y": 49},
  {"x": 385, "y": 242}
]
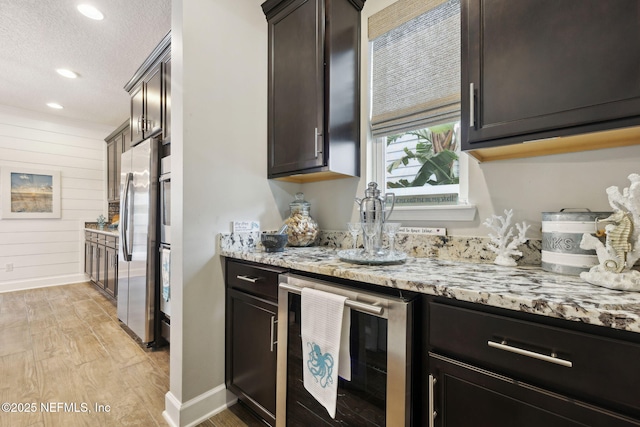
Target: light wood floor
[{"x": 62, "y": 352}]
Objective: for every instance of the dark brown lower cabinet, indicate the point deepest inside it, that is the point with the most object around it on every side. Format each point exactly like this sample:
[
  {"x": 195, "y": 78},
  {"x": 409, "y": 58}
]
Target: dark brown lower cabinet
[
  {"x": 251, "y": 340},
  {"x": 101, "y": 261},
  {"x": 502, "y": 368},
  {"x": 111, "y": 269},
  {"x": 464, "y": 395}
]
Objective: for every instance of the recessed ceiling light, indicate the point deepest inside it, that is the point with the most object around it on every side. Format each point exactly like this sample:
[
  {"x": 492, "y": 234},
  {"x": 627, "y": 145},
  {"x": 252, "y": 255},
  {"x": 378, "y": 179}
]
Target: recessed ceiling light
[
  {"x": 90, "y": 12},
  {"x": 54, "y": 105},
  {"x": 67, "y": 73}
]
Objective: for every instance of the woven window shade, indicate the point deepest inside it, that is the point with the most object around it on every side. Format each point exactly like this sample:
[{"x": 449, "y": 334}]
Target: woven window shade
[{"x": 416, "y": 65}]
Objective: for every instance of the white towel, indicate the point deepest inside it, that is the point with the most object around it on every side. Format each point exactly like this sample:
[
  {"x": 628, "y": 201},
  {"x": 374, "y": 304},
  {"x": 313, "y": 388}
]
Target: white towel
[
  {"x": 165, "y": 269},
  {"x": 325, "y": 327}
]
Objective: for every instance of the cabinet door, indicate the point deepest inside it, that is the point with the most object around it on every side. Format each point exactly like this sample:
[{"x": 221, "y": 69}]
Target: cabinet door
[
  {"x": 296, "y": 86},
  {"x": 153, "y": 102},
  {"x": 463, "y": 395},
  {"x": 252, "y": 368},
  {"x": 95, "y": 266},
  {"x": 540, "y": 68},
  {"x": 111, "y": 276},
  {"x": 137, "y": 114},
  {"x": 166, "y": 104},
  {"x": 112, "y": 154},
  {"x": 88, "y": 258},
  {"x": 101, "y": 265}
]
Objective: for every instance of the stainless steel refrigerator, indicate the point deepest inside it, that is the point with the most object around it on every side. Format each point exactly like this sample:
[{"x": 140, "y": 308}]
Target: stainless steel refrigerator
[{"x": 138, "y": 249}]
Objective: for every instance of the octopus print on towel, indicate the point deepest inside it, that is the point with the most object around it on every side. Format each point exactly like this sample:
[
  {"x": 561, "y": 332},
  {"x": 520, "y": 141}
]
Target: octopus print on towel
[
  {"x": 320, "y": 365},
  {"x": 321, "y": 324}
]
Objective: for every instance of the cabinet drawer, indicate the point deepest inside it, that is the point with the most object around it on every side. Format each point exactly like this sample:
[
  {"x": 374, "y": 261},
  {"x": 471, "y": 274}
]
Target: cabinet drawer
[
  {"x": 595, "y": 368},
  {"x": 111, "y": 241},
  {"x": 256, "y": 280},
  {"x": 91, "y": 236}
]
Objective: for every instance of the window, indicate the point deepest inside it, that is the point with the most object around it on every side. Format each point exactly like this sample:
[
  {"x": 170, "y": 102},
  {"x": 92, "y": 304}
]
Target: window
[{"x": 415, "y": 110}]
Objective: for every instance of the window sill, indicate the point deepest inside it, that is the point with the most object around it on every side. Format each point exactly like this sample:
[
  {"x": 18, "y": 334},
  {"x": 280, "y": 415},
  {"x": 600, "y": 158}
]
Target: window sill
[{"x": 460, "y": 212}]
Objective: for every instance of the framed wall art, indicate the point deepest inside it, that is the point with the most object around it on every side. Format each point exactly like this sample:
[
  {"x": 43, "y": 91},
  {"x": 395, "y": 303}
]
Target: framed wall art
[{"x": 29, "y": 193}]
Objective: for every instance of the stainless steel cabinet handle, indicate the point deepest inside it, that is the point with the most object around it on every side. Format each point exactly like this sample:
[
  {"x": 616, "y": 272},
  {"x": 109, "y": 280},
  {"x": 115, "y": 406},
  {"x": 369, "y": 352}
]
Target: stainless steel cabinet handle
[
  {"x": 552, "y": 358},
  {"x": 357, "y": 305},
  {"x": 472, "y": 115},
  {"x": 273, "y": 333},
  {"x": 317, "y": 151},
  {"x": 432, "y": 410},
  {"x": 248, "y": 279}
]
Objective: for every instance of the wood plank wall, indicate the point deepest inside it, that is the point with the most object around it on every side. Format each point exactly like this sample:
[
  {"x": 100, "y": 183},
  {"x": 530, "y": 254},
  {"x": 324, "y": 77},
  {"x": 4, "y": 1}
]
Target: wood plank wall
[{"x": 48, "y": 252}]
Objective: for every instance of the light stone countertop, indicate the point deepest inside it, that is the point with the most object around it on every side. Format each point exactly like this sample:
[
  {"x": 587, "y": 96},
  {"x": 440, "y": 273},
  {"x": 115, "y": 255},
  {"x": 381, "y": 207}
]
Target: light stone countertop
[
  {"x": 526, "y": 289},
  {"x": 106, "y": 231}
]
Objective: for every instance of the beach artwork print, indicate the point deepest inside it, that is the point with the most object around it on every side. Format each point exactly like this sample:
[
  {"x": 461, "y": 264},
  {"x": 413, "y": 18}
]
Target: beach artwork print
[{"x": 30, "y": 194}]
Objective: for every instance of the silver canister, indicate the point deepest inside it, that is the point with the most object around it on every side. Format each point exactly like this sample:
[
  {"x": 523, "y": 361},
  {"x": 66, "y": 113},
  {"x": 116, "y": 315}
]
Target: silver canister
[{"x": 561, "y": 235}]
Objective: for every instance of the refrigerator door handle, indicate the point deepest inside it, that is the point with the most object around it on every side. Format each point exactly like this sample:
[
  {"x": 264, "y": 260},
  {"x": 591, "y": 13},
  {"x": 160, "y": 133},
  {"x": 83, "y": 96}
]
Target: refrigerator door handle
[{"x": 125, "y": 226}]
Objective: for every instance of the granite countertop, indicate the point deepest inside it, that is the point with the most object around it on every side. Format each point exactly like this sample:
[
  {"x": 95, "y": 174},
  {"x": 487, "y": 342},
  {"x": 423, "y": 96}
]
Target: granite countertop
[
  {"x": 527, "y": 289},
  {"x": 107, "y": 231}
]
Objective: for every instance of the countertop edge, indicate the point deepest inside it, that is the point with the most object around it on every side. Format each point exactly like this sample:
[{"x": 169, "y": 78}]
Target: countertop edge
[{"x": 617, "y": 309}]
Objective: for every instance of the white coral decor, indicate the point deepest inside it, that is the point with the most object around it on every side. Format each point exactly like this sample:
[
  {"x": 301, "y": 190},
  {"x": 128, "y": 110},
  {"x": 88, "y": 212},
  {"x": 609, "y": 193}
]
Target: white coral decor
[{"x": 504, "y": 243}]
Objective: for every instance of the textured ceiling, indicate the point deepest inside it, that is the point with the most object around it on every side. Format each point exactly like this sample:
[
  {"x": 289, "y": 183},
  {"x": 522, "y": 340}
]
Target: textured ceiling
[{"x": 39, "y": 36}]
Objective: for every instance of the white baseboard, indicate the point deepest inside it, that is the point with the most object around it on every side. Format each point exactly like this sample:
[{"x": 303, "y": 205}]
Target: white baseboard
[
  {"x": 198, "y": 409},
  {"x": 20, "y": 285}
]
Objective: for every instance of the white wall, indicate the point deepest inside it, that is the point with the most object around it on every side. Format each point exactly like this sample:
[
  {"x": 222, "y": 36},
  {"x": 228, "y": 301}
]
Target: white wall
[
  {"x": 219, "y": 169},
  {"x": 528, "y": 186},
  {"x": 47, "y": 252}
]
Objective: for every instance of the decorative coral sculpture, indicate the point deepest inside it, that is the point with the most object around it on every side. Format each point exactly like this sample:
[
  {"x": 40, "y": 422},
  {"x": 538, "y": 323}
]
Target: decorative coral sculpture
[
  {"x": 621, "y": 249},
  {"x": 504, "y": 243}
]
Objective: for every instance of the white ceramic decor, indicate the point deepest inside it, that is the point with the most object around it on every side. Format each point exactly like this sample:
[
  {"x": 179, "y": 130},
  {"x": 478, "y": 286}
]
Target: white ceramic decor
[
  {"x": 621, "y": 249},
  {"x": 504, "y": 243}
]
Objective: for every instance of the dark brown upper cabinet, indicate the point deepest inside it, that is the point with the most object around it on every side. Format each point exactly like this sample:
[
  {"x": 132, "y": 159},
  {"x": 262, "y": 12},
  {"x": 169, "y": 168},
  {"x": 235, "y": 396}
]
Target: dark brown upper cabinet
[
  {"x": 314, "y": 89},
  {"x": 117, "y": 143},
  {"x": 149, "y": 95},
  {"x": 537, "y": 69}
]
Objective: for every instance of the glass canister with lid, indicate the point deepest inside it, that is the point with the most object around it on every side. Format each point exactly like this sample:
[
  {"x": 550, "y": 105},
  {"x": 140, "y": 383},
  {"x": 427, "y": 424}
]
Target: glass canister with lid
[{"x": 302, "y": 228}]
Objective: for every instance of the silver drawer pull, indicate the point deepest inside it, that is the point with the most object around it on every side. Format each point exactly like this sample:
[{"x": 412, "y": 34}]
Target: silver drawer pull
[
  {"x": 553, "y": 358},
  {"x": 248, "y": 279},
  {"x": 432, "y": 407}
]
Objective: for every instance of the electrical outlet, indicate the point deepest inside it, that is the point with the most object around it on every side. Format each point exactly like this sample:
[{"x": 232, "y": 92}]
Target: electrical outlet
[
  {"x": 424, "y": 230},
  {"x": 8, "y": 267}
]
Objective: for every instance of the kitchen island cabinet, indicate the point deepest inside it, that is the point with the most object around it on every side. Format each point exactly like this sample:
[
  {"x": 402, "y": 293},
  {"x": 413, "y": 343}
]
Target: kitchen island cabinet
[
  {"x": 251, "y": 319},
  {"x": 536, "y": 69},
  {"x": 314, "y": 89}
]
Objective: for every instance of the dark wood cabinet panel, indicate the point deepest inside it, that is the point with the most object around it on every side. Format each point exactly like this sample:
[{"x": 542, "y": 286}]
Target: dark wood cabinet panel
[
  {"x": 111, "y": 269},
  {"x": 149, "y": 92},
  {"x": 464, "y": 395},
  {"x": 137, "y": 114},
  {"x": 296, "y": 103},
  {"x": 253, "y": 366},
  {"x": 152, "y": 117},
  {"x": 251, "y": 340},
  {"x": 314, "y": 89},
  {"x": 101, "y": 261},
  {"x": 166, "y": 104},
  {"x": 510, "y": 368},
  {"x": 117, "y": 143},
  {"x": 534, "y": 69}
]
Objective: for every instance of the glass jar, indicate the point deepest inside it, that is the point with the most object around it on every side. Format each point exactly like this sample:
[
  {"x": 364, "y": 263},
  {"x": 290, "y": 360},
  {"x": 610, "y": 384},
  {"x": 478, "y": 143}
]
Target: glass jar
[{"x": 302, "y": 229}]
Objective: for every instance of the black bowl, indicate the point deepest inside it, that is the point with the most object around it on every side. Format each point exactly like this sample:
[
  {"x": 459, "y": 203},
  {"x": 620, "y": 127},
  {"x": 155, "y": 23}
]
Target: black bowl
[{"x": 274, "y": 242}]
